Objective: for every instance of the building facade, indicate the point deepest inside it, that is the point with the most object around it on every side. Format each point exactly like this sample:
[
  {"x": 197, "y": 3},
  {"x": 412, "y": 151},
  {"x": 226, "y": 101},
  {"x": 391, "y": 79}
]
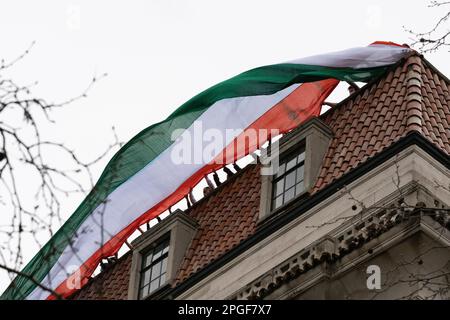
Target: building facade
[{"x": 358, "y": 209}]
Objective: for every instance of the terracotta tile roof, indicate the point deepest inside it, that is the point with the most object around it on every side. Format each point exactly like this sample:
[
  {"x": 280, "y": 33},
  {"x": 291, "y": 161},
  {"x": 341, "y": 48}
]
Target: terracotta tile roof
[
  {"x": 110, "y": 284},
  {"x": 225, "y": 220},
  {"x": 411, "y": 97}
]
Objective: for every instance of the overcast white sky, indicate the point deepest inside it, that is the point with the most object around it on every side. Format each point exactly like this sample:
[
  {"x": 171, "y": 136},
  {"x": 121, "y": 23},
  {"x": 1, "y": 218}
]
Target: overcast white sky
[{"x": 160, "y": 53}]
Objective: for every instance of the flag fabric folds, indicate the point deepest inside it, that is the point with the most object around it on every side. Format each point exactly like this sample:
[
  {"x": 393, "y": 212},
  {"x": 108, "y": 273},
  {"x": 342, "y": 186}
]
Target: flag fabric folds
[{"x": 142, "y": 180}]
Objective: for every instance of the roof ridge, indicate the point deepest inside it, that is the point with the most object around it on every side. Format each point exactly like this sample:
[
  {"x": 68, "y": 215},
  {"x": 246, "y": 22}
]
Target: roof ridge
[{"x": 414, "y": 98}]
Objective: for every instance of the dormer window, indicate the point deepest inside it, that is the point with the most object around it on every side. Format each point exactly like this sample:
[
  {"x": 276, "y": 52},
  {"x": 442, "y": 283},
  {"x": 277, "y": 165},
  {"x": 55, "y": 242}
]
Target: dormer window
[
  {"x": 157, "y": 255},
  {"x": 300, "y": 156},
  {"x": 154, "y": 269},
  {"x": 288, "y": 182}
]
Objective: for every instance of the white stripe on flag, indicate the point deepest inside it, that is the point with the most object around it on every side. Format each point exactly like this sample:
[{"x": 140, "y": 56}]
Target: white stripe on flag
[{"x": 372, "y": 56}]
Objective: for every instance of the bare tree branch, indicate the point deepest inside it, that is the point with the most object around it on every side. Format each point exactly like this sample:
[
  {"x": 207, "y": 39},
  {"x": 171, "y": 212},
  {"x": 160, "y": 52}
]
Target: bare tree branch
[
  {"x": 438, "y": 35},
  {"x": 37, "y": 283},
  {"x": 23, "y": 148}
]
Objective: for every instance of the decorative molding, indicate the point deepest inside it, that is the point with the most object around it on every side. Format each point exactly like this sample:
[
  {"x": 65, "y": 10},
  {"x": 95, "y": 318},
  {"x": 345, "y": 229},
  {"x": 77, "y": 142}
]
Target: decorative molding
[{"x": 354, "y": 233}]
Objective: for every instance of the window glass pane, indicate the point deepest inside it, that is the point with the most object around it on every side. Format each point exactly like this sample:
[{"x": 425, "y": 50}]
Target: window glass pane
[
  {"x": 148, "y": 260},
  {"x": 278, "y": 201},
  {"x": 144, "y": 291},
  {"x": 155, "y": 262},
  {"x": 164, "y": 265},
  {"x": 281, "y": 168},
  {"x": 290, "y": 180},
  {"x": 299, "y": 188},
  {"x": 289, "y": 194},
  {"x": 291, "y": 164},
  {"x": 156, "y": 270},
  {"x": 279, "y": 187},
  {"x": 162, "y": 279},
  {"x": 154, "y": 285},
  {"x": 289, "y": 184},
  {"x": 301, "y": 157},
  {"x": 156, "y": 255},
  {"x": 146, "y": 277},
  {"x": 300, "y": 172}
]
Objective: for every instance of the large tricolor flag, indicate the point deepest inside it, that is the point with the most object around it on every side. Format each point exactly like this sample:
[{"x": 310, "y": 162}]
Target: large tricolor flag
[{"x": 141, "y": 180}]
